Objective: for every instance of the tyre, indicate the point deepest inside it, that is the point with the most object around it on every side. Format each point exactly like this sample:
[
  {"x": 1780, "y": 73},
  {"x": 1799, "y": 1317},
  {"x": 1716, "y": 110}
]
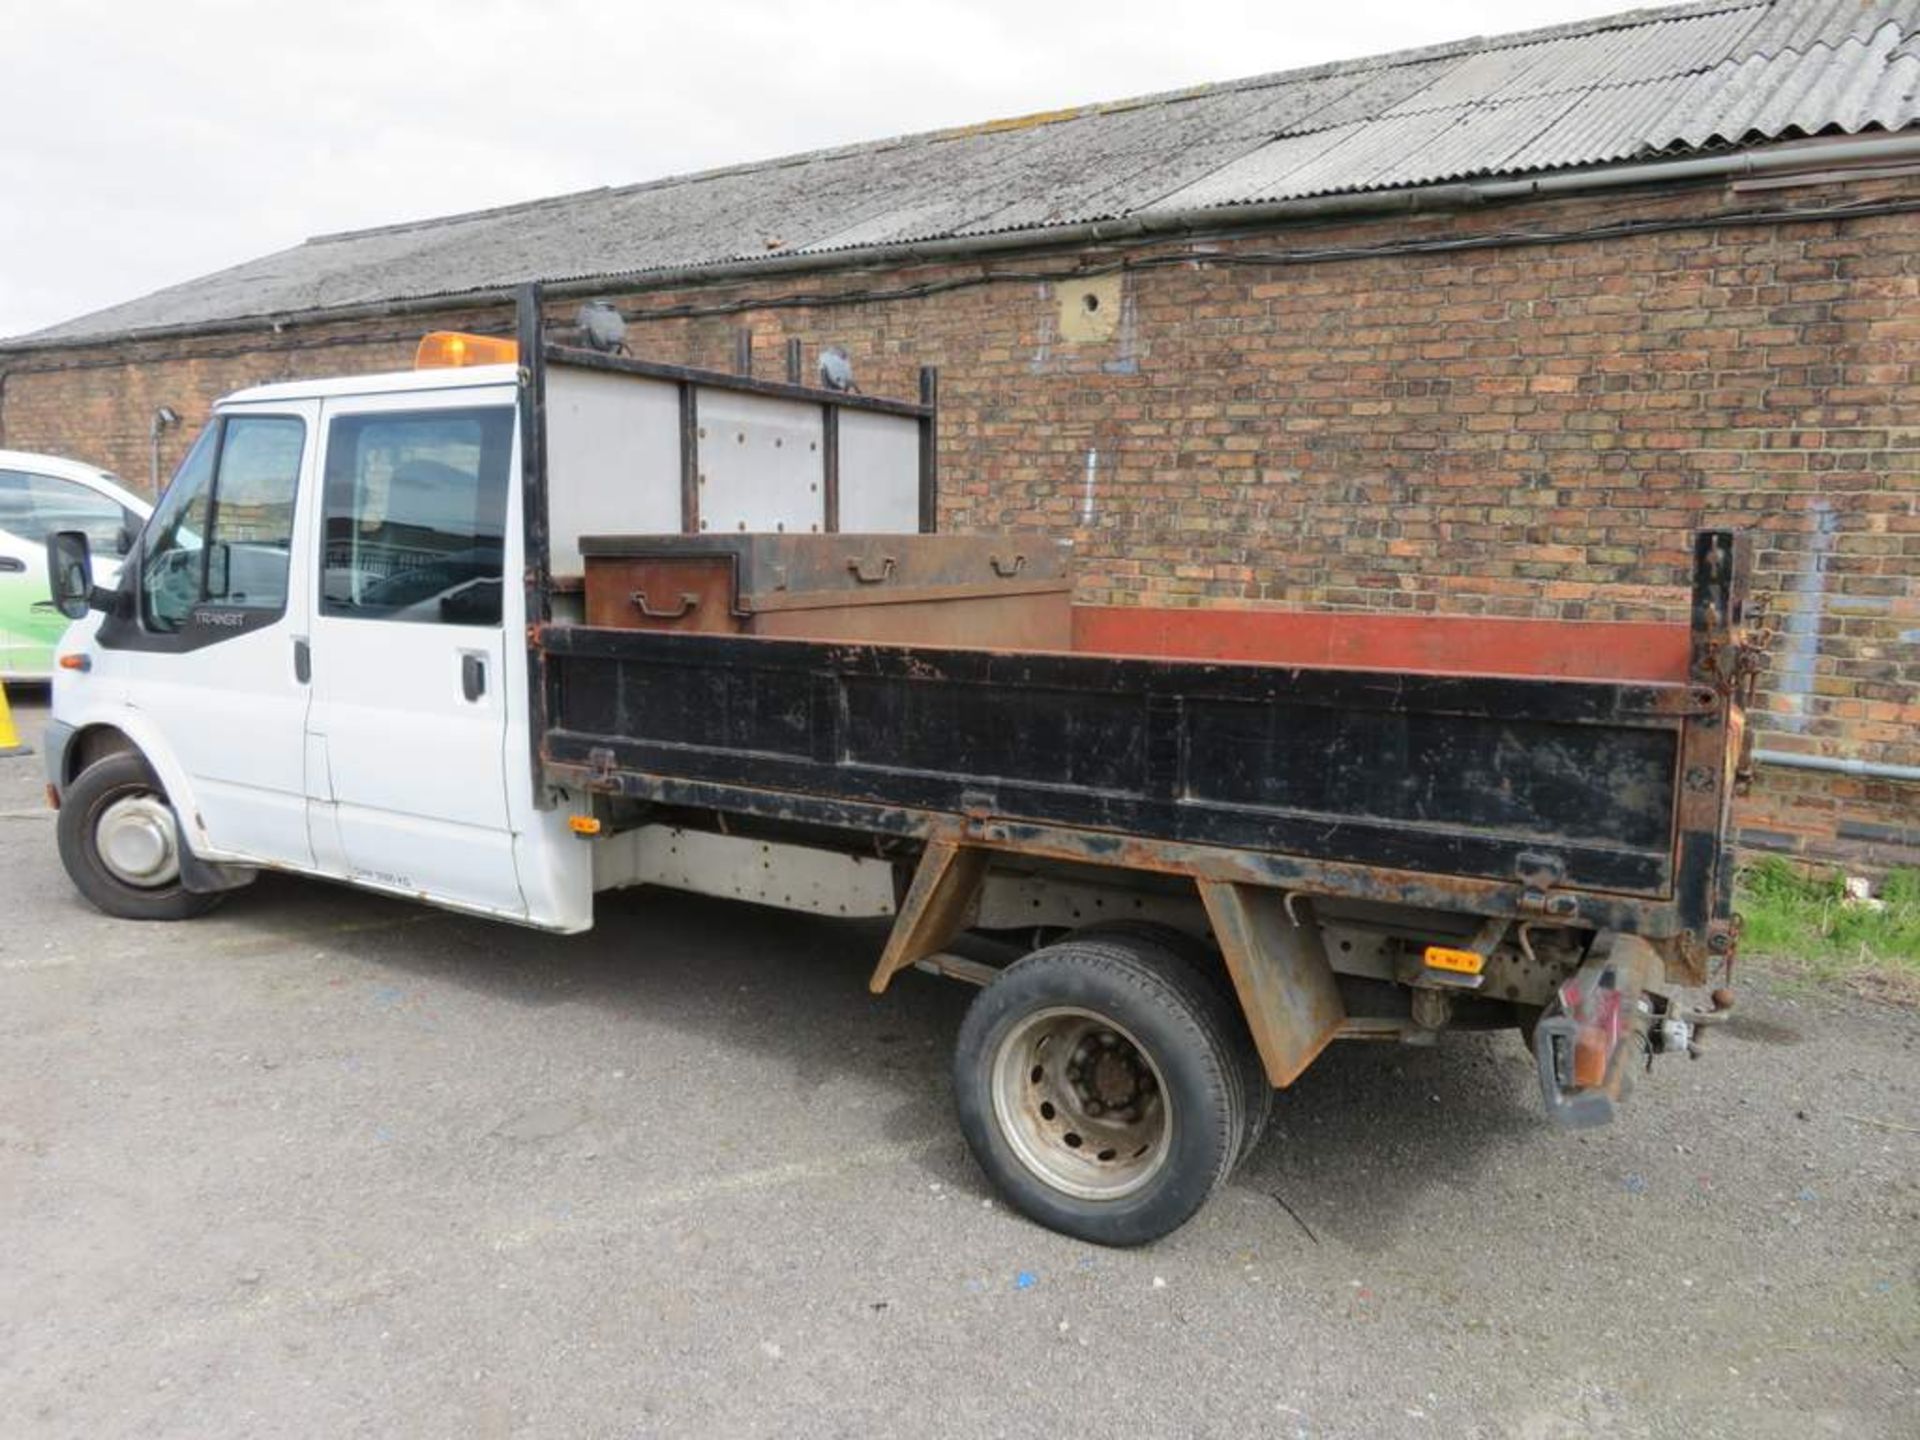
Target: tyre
[
  {"x": 121, "y": 843},
  {"x": 1099, "y": 1090},
  {"x": 1178, "y": 946}
]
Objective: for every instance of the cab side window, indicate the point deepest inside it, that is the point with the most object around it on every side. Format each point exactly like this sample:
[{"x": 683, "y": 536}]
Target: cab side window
[
  {"x": 223, "y": 536},
  {"x": 34, "y": 506},
  {"x": 414, "y": 517},
  {"x": 16, "y": 508}
]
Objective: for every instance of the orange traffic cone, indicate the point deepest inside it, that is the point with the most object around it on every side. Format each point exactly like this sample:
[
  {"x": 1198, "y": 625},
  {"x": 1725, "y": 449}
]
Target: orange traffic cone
[{"x": 9, "y": 737}]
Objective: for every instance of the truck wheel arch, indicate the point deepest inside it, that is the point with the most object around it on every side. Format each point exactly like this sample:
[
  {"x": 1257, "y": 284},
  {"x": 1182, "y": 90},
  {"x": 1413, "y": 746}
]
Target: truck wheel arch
[
  {"x": 92, "y": 743},
  {"x": 122, "y": 731}
]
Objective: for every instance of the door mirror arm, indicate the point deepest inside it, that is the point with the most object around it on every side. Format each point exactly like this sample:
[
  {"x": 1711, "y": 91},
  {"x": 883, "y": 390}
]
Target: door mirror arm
[{"x": 112, "y": 603}]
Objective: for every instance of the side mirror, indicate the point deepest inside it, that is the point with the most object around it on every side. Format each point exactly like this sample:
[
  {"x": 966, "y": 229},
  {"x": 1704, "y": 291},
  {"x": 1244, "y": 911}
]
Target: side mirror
[{"x": 70, "y": 572}]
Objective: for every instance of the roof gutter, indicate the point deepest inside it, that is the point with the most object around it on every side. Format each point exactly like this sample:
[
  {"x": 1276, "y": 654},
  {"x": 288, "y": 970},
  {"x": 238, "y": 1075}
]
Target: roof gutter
[{"x": 1188, "y": 221}]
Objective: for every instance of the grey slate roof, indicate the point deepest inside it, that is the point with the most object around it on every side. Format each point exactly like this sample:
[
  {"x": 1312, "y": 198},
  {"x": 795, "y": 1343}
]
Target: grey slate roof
[{"x": 1634, "y": 86}]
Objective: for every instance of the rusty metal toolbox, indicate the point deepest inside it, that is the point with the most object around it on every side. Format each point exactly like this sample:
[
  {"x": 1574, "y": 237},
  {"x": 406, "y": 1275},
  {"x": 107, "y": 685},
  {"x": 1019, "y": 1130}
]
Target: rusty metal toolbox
[{"x": 993, "y": 590}]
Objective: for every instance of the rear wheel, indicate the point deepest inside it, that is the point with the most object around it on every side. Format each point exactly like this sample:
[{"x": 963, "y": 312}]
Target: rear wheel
[
  {"x": 1099, "y": 1090},
  {"x": 121, "y": 844},
  {"x": 1189, "y": 950}
]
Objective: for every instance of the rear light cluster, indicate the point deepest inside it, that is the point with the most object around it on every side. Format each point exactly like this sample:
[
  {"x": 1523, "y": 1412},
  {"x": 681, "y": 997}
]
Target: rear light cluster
[{"x": 1598, "y": 1020}]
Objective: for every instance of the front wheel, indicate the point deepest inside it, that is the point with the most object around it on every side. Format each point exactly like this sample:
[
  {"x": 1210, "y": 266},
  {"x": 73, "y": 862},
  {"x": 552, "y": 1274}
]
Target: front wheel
[
  {"x": 121, "y": 844},
  {"x": 1100, "y": 1090}
]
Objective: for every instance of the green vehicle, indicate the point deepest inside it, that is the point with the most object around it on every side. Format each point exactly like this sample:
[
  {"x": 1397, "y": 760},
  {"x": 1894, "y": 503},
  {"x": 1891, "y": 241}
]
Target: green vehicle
[{"x": 38, "y": 494}]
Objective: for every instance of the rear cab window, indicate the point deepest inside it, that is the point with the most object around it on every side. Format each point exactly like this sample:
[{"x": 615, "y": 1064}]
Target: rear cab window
[{"x": 414, "y": 515}]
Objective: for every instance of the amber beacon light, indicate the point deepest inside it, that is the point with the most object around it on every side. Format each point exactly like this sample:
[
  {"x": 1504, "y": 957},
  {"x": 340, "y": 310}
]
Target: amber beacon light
[{"x": 449, "y": 349}]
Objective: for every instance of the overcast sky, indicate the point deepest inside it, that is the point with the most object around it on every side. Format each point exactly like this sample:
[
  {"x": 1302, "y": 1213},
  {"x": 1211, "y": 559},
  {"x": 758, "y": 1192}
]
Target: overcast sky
[{"x": 148, "y": 143}]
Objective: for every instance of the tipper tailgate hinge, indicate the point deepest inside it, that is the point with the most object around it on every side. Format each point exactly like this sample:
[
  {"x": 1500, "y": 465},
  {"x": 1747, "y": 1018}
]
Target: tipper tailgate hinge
[
  {"x": 600, "y": 766},
  {"x": 1539, "y": 875},
  {"x": 979, "y": 810}
]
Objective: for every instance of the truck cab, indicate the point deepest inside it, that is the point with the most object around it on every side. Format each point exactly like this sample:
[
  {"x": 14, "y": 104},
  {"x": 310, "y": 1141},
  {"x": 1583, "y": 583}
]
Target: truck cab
[{"x": 309, "y": 650}]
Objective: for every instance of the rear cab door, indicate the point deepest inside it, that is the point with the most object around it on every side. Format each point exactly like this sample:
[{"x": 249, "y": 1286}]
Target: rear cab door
[{"x": 406, "y": 754}]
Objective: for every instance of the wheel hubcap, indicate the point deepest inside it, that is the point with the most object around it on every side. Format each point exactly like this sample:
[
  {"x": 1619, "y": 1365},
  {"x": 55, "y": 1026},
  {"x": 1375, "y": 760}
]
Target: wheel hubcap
[
  {"x": 1081, "y": 1103},
  {"x": 135, "y": 838}
]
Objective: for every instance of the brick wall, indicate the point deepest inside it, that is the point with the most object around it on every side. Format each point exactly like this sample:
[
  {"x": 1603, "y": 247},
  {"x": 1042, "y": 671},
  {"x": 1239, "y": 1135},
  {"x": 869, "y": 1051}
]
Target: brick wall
[
  {"x": 95, "y": 403},
  {"x": 1518, "y": 429}
]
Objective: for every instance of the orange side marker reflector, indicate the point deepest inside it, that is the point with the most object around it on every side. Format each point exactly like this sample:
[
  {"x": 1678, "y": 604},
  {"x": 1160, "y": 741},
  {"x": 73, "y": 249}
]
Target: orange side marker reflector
[
  {"x": 449, "y": 349},
  {"x": 1460, "y": 962},
  {"x": 76, "y": 662},
  {"x": 583, "y": 825}
]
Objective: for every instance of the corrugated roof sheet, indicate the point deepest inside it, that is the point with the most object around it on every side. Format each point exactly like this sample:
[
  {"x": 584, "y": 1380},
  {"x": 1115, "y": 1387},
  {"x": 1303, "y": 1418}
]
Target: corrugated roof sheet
[
  {"x": 1848, "y": 85},
  {"x": 1621, "y": 56},
  {"x": 1824, "y": 22},
  {"x": 1642, "y": 84}
]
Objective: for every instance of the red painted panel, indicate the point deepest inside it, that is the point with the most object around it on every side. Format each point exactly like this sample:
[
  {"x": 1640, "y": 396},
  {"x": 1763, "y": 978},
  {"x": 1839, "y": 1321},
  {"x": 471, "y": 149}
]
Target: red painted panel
[{"x": 1440, "y": 644}]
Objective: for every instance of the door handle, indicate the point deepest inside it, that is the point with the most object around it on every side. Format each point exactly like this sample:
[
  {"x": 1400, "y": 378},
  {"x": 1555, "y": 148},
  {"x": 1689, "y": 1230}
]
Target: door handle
[
  {"x": 473, "y": 675},
  {"x": 12, "y": 565},
  {"x": 302, "y": 659}
]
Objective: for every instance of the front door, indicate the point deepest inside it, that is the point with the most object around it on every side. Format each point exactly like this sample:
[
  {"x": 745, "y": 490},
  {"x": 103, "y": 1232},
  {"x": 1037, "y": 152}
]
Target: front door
[
  {"x": 406, "y": 753},
  {"x": 208, "y": 649}
]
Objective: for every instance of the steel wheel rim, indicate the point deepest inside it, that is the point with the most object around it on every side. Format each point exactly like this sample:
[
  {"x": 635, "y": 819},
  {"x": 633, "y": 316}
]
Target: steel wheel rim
[
  {"x": 1082, "y": 1103},
  {"x": 135, "y": 840}
]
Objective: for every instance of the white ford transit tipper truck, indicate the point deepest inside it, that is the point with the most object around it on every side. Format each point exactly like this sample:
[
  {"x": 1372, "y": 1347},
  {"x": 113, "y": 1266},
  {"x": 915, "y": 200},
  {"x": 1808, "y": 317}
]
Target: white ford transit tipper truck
[{"x": 535, "y": 621}]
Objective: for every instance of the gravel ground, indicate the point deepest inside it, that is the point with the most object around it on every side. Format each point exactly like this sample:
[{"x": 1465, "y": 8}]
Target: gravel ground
[{"x": 326, "y": 1164}]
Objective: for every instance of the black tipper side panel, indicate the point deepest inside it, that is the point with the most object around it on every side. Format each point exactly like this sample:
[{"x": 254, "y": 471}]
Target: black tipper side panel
[
  {"x": 1041, "y": 736},
  {"x": 1516, "y": 776},
  {"x": 1449, "y": 775}
]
